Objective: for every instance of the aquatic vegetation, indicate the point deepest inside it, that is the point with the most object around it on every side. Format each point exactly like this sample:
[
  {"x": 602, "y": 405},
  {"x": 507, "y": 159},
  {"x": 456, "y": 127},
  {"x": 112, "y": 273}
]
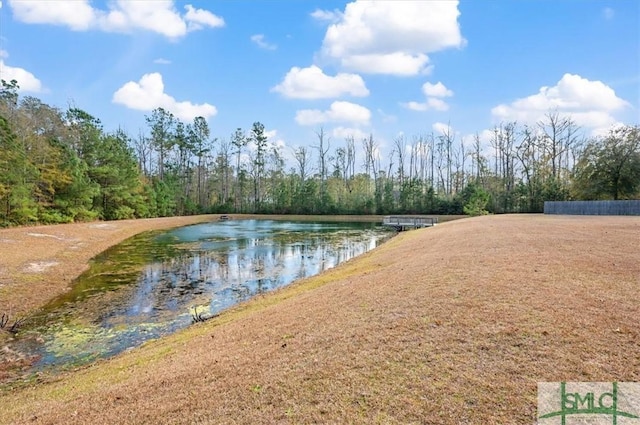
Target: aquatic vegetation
[{"x": 156, "y": 283}]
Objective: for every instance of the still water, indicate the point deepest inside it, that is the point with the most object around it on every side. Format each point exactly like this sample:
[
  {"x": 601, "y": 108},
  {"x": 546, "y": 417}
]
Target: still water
[{"x": 155, "y": 283}]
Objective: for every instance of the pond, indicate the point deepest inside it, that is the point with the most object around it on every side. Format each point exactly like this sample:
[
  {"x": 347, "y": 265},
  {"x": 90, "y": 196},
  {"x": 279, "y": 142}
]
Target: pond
[{"x": 156, "y": 283}]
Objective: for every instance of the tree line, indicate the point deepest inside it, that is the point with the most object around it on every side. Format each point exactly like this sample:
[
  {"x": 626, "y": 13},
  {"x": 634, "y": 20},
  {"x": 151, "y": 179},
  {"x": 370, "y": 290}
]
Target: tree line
[{"x": 61, "y": 166}]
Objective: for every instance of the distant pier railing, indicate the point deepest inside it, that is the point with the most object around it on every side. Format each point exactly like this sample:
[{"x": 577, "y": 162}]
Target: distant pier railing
[{"x": 406, "y": 222}]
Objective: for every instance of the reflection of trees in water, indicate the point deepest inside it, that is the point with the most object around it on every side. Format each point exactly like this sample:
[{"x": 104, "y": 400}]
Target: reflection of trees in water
[
  {"x": 248, "y": 267},
  {"x": 218, "y": 273}
]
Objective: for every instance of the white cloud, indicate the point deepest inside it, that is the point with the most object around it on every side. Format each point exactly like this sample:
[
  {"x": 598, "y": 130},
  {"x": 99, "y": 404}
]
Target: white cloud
[
  {"x": 392, "y": 37},
  {"x": 339, "y": 111},
  {"x": 486, "y": 136},
  {"x": 326, "y": 15},
  {"x": 260, "y": 41},
  {"x": 437, "y": 104},
  {"x": 432, "y": 104},
  {"x": 162, "y": 61},
  {"x": 436, "y": 90},
  {"x": 441, "y": 128},
  {"x": 398, "y": 63},
  {"x": 271, "y": 134},
  {"x": 4, "y": 54},
  {"x": 345, "y": 132},
  {"x": 589, "y": 103},
  {"x": 148, "y": 94},
  {"x": 160, "y": 17},
  {"x": 76, "y": 14},
  {"x": 608, "y": 13},
  {"x": 416, "y": 106},
  {"x": 198, "y": 18},
  {"x": 275, "y": 141},
  {"x": 122, "y": 16},
  {"x": 313, "y": 83},
  {"x": 26, "y": 80},
  {"x": 434, "y": 93}
]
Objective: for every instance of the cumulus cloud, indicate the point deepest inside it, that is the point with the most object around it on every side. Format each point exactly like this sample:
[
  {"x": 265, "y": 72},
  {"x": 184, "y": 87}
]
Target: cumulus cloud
[
  {"x": 434, "y": 94},
  {"x": 199, "y": 18},
  {"x": 398, "y": 63},
  {"x": 442, "y": 128},
  {"x": 313, "y": 83},
  {"x": 326, "y": 15},
  {"x": 152, "y": 16},
  {"x": 590, "y": 104},
  {"x": 275, "y": 141},
  {"x": 122, "y": 16},
  {"x": 416, "y": 106},
  {"x": 339, "y": 111},
  {"x": 431, "y": 104},
  {"x": 392, "y": 37},
  {"x": 436, "y": 90},
  {"x": 437, "y": 104},
  {"x": 148, "y": 94},
  {"x": 346, "y": 132},
  {"x": 78, "y": 15},
  {"x": 260, "y": 41},
  {"x": 26, "y": 80},
  {"x": 271, "y": 134}
]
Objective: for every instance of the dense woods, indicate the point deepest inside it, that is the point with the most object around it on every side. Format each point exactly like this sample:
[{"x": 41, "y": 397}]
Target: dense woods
[{"x": 62, "y": 166}]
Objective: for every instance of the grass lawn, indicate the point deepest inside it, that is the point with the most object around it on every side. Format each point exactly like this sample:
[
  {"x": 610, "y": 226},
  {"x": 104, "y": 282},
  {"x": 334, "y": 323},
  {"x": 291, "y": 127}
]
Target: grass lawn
[{"x": 454, "y": 324}]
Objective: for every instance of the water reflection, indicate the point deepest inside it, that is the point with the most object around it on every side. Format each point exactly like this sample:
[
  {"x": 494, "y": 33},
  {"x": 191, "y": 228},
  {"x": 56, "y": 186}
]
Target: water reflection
[{"x": 149, "y": 285}]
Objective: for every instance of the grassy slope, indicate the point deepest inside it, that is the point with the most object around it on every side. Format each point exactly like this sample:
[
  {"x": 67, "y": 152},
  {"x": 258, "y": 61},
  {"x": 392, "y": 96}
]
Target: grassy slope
[
  {"x": 454, "y": 324},
  {"x": 59, "y": 253}
]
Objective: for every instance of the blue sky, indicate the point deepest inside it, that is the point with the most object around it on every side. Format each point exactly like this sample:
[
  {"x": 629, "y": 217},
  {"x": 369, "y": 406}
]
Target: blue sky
[{"x": 352, "y": 68}]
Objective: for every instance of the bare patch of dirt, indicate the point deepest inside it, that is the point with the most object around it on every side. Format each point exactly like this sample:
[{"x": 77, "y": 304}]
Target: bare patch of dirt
[
  {"x": 454, "y": 324},
  {"x": 39, "y": 267}
]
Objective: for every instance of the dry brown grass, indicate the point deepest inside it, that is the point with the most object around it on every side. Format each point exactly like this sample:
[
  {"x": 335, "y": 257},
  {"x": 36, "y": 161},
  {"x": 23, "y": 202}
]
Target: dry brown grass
[
  {"x": 38, "y": 263},
  {"x": 449, "y": 325}
]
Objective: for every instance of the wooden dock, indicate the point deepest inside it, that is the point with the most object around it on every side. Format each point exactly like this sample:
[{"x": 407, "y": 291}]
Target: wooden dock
[{"x": 406, "y": 222}]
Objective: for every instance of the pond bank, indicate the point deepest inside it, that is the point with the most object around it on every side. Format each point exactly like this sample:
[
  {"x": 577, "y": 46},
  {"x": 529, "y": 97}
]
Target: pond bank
[
  {"x": 38, "y": 263},
  {"x": 155, "y": 283},
  {"x": 448, "y": 325}
]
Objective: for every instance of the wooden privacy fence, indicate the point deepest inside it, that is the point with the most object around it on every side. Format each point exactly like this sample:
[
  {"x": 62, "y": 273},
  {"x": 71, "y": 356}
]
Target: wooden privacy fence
[{"x": 630, "y": 207}]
